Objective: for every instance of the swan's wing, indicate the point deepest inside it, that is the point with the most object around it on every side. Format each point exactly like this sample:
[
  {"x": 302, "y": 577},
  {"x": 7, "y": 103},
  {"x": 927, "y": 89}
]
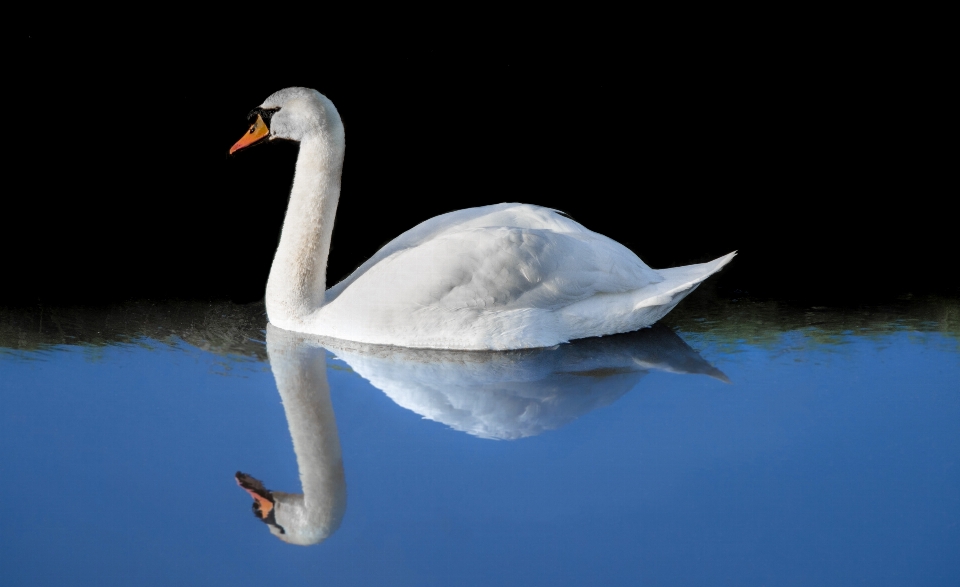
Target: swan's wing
[
  {"x": 500, "y": 268},
  {"x": 498, "y": 215}
]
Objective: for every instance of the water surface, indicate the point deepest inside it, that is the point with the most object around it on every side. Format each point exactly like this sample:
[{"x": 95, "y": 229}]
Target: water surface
[{"x": 739, "y": 443}]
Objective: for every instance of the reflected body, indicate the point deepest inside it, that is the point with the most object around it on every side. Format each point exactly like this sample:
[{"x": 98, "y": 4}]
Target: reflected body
[
  {"x": 506, "y": 276},
  {"x": 514, "y": 394}
]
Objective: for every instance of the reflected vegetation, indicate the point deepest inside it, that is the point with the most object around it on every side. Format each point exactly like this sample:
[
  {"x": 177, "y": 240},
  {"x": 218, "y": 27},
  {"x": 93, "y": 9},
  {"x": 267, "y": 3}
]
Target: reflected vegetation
[
  {"x": 225, "y": 328},
  {"x": 763, "y": 323}
]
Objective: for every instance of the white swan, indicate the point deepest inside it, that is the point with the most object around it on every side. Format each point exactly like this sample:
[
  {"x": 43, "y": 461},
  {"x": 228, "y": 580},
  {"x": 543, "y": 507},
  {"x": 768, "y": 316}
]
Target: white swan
[{"x": 499, "y": 277}]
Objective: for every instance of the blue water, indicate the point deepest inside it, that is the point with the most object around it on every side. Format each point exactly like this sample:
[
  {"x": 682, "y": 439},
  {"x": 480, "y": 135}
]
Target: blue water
[{"x": 820, "y": 463}]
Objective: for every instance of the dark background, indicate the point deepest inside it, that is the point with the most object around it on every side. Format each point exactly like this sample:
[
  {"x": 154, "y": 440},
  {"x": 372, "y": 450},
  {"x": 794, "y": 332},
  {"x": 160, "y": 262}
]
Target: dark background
[{"x": 816, "y": 154}]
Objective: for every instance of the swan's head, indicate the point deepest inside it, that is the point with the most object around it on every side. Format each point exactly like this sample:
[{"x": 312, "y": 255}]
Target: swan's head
[
  {"x": 294, "y": 114},
  {"x": 288, "y": 515}
]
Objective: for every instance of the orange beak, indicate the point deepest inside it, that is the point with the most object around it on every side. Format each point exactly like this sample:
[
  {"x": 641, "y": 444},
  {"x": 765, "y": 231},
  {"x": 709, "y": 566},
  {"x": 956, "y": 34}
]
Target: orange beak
[{"x": 257, "y": 132}]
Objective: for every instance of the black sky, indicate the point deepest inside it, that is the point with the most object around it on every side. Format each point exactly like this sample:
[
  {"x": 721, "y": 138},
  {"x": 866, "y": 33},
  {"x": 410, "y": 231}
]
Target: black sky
[{"x": 818, "y": 159}]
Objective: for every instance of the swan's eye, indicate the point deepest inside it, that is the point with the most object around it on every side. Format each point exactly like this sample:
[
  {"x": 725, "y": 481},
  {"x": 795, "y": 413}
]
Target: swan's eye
[{"x": 265, "y": 113}]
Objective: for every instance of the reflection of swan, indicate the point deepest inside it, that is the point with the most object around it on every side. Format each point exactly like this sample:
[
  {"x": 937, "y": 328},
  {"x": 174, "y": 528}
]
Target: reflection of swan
[
  {"x": 300, "y": 371},
  {"x": 519, "y": 393},
  {"x": 498, "y": 277},
  {"x": 489, "y": 394}
]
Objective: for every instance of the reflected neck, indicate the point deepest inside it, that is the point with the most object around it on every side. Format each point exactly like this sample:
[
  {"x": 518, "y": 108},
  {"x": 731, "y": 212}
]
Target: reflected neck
[
  {"x": 297, "y": 281},
  {"x": 300, "y": 371}
]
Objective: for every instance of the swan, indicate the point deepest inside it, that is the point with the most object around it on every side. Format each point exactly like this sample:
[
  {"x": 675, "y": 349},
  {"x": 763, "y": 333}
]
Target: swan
[{"x": 499, "y": 277}]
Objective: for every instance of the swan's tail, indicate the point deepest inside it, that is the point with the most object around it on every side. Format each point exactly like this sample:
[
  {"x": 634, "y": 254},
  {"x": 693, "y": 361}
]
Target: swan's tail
[
  {"x": 626, "y": 312},
  {"x": 678, "y": 283},
  {"x": 682, "y": 280}
]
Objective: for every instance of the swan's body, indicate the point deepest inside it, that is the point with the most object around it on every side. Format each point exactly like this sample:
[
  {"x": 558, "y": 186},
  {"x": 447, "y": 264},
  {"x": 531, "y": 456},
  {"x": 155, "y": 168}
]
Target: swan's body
[{"x": 499, "y": 277}]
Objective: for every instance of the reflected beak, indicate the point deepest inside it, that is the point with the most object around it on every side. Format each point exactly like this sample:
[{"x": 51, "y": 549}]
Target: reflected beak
[
  {"x": 257, "y": 132},
  {"x": 262, "y": 497}
]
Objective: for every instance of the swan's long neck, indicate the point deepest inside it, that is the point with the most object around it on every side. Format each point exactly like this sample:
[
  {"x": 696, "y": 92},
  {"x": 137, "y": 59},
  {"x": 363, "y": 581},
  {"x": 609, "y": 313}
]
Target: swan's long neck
[
  {"x": 297, "y": 281},
  {"x": 301, "y": 373}
]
